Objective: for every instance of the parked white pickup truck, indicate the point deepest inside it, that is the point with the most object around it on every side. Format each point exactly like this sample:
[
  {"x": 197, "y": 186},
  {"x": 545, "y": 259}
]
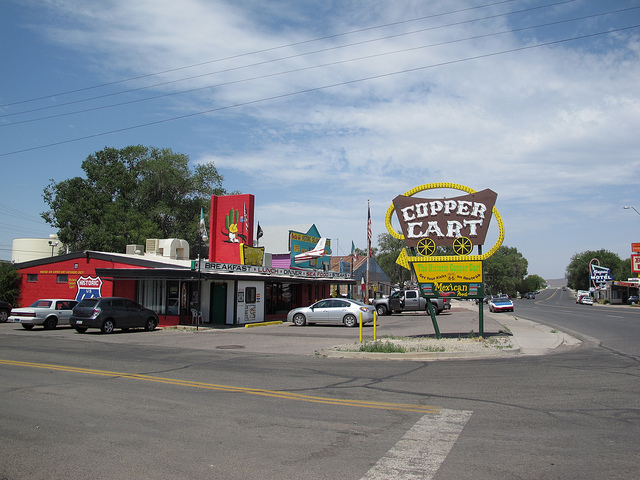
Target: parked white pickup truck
[{"x": 408, "y": 300}]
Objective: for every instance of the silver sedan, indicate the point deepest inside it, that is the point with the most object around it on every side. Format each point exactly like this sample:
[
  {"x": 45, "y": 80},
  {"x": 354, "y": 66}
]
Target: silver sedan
[{"x": 333, "y": 310}]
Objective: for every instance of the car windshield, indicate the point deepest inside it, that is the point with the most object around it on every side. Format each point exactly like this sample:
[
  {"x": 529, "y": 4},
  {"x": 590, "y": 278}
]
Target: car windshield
[
  {"x": 41, "y": 304},
  {"x": 501, "y": 300}
]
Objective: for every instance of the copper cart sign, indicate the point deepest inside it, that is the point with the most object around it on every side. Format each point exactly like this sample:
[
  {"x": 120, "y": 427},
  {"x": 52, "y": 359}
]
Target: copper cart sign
[{"x": 460, "y": 223}]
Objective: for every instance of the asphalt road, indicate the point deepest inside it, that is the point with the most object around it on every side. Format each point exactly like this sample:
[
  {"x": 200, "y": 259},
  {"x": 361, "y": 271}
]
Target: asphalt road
[
  {"x": 147, "y": 405},
  {"x": 616, "y": 327}
]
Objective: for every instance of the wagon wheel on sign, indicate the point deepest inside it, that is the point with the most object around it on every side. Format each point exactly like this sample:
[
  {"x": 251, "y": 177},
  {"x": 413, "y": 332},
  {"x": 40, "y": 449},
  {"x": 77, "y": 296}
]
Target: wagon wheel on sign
[
  {"x": 426, "y": 247},
  {"x": 462, "y": 246}
]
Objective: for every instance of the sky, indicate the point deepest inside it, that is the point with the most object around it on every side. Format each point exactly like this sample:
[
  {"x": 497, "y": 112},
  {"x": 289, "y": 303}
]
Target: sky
[{"x": 323, "y": 109}]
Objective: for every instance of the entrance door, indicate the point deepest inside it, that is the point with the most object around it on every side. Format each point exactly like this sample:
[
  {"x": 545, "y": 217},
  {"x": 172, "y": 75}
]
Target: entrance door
[{"x": 218, "y": 308}]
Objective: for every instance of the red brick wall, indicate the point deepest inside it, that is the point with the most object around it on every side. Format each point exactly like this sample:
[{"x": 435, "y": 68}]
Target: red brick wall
[{"x": 47, "y": 285}]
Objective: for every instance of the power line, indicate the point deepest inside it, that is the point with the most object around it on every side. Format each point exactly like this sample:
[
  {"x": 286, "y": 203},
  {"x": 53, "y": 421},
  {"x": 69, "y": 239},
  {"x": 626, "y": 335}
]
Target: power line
[
  {"x": 303, "y": 42},
  {"x": 265, "y": 62},
  {"x": 316, "y": 89},
  {"x": 15, "y": 213},
  {"x": 181, "y": 92},
  {"x": 170, "y": 82}
]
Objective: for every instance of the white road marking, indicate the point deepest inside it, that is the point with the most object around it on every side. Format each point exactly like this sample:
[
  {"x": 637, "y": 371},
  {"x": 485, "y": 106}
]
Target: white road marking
[{"x": 421, "y": 451}]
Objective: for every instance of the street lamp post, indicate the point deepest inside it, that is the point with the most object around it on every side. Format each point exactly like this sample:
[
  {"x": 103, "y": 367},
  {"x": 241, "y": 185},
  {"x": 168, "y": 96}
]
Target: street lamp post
[
  {"x": 631, "y": 208},
  {"x": 53, "y": 245}
]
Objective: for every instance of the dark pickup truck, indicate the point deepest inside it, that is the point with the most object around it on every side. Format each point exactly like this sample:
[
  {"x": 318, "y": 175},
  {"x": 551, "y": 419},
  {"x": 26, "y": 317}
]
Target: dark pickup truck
[{"x": 408, "y": 300}]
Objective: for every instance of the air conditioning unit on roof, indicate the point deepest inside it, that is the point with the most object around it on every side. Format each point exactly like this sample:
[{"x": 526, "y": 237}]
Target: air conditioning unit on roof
[{"x": 151, "y": 246}]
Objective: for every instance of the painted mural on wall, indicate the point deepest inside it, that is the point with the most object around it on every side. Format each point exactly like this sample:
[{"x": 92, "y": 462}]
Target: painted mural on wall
[
  {"x": 231, "y": 226},
  {"x": 305, "y": 242}
]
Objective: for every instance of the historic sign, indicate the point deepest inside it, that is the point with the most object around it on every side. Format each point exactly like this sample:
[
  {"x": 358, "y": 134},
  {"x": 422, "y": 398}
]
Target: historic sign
[{"x": 448, "y": 271}]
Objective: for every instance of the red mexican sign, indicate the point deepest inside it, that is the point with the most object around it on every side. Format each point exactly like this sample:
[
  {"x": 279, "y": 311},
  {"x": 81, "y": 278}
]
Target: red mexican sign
[{"x": 445, "y": 219}]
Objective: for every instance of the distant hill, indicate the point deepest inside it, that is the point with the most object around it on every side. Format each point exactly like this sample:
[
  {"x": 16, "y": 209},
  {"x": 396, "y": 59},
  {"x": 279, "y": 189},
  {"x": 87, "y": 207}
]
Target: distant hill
[{"x": 556, "y": 283}]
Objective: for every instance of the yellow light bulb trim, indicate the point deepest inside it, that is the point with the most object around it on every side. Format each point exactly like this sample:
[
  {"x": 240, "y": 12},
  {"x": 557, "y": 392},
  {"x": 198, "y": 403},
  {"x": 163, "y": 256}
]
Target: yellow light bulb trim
[{"x": 447, "y": 258}]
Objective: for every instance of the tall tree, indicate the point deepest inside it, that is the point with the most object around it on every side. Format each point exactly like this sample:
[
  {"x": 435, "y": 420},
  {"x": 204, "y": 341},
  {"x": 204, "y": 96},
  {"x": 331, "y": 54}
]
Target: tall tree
[
  {"x": 504, "y": 271},
  {"x": 130, "y": 195},
  {"x": 579, "y": 276}
]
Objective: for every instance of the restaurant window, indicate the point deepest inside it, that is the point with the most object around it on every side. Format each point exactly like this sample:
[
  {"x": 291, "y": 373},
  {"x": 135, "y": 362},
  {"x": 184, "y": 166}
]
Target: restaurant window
[
  {"x": 152, "y": 294},
  {"x": 173, "y": 297},
  {"x": 279, "y": 297},
  {"x": 62, "y": 278},
  {"x": 250, "y": 295},
  {"x": 161, "y": 296},
  {"x": 32, "y": 277}
]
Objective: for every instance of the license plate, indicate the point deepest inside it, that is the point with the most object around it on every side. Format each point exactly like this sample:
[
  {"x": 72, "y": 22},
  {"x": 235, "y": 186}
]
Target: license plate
[{"x": 78, "y": 322}]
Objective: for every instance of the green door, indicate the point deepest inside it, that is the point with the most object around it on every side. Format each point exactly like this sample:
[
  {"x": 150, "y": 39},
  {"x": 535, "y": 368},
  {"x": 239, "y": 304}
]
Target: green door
[{"x": 218, "y": 308}]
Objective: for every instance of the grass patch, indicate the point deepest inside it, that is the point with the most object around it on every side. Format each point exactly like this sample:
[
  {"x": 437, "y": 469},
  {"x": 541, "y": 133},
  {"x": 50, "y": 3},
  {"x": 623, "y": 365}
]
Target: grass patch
[{"x": 382, "y": 347}]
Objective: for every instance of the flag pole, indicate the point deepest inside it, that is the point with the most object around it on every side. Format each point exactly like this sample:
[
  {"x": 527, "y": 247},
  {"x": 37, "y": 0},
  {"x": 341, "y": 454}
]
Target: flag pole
[{"x": 368, "y": 249}]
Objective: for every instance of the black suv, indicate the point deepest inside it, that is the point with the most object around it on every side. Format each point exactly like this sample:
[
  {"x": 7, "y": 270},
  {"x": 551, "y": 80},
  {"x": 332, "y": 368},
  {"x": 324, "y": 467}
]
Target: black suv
[
  {"x": 108, "y": 313},
  {"x": 5, "y": 309}
]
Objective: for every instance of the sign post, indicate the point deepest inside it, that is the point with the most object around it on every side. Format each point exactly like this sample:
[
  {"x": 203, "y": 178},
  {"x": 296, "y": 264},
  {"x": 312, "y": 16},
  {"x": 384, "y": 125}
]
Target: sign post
[{"x": 458, "y": 223}]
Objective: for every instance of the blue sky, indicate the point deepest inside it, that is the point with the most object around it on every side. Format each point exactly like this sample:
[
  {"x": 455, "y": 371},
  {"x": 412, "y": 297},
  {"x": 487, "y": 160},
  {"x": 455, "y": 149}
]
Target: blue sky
[{"x": 317, "y": 107}]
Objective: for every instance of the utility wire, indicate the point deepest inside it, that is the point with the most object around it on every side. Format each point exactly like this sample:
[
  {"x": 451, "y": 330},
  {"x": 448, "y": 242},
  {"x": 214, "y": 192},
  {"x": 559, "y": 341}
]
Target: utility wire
[
  {"x": 170, "y": 82},
  {"x": 303, "y": 42},
  {"x": 316, "y": 89},
  {"x": 233, "y": 82}
]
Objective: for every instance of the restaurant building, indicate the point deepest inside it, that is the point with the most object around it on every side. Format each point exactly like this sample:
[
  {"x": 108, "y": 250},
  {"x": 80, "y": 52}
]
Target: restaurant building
[{"x": 236, "y": 285}]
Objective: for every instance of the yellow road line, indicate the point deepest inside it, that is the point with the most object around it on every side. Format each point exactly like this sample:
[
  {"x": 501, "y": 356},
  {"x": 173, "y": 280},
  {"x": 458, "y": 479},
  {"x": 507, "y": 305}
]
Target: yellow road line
[{"x": 229, "y": 388}]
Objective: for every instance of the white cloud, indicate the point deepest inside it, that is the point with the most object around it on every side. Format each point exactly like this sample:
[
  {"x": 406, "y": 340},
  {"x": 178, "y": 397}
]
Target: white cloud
[{"x": 544, "y": 128}]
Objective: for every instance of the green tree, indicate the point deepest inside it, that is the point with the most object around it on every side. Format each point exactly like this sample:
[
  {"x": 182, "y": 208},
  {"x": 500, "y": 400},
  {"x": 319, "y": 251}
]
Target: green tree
[
  {"x": 579, "y": 276},
  {"x": 130, "y": 195},
  {"x": 9, "y": 283},
  {"x": 532, "y": 283},
  {"x": 390, "y": 247},
  {"x": 504, "y": 271}
]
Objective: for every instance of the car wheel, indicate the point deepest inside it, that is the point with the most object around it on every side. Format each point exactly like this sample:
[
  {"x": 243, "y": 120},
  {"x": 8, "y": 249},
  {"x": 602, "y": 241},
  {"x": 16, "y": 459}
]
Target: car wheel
[
  {"x": 50, "y": 323},
  {"x": 350, "y": 320},
  {"x": 150, "y": 325},
  {"x": 299, "y": 320},
  {"x": 81, "y": 329},
  {"x": 27, "y": 326},
  {"x": 108, "y": 326},
  {"x": 382, "y": 310},
  {"x": 4, "y": 315}
]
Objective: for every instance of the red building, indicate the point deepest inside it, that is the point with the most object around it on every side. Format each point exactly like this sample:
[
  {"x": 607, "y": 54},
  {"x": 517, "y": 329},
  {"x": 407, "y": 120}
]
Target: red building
[{"x": 225, "y": 294}]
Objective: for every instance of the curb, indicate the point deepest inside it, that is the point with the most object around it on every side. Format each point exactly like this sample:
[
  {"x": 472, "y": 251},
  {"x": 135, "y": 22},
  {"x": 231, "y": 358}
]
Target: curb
[{"x": 424, "y": 356}]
